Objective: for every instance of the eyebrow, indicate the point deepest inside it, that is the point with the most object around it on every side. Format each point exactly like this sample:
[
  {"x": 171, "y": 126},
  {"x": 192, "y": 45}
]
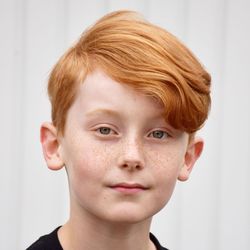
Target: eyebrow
[
  {"x": 109, "y": 112},
  {"x": 114, "y": 113}
]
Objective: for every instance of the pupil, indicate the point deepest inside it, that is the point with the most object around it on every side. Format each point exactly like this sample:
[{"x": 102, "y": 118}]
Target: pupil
[
  {"x": 105, "y": 131},
  {"x": 158, "y": 134}
]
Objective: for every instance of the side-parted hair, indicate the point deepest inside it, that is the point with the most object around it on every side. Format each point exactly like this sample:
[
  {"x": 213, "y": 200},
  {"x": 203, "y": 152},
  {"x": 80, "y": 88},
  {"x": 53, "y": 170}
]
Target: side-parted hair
[{"x": 144, "y": 56}]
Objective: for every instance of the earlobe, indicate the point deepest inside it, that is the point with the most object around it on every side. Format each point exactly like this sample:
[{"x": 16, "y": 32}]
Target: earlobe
[
  {"x": 193, "y": 152},
  {"x": 51, "y": 146}
]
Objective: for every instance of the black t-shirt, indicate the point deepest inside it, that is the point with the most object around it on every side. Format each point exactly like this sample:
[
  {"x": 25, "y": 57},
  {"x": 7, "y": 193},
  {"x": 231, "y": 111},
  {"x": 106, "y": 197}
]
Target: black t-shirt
[{"x": 51, "y": 242}]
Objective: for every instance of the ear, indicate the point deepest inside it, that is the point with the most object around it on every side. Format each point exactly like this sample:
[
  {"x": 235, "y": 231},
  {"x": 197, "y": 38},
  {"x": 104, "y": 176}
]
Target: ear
[
  {"x": 51, "y": 146},
  {"x": 193, "y": 152}
]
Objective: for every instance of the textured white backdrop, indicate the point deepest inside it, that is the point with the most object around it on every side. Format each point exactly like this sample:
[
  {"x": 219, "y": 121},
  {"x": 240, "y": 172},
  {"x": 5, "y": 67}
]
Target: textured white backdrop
[{"x": 212, "y": 209}]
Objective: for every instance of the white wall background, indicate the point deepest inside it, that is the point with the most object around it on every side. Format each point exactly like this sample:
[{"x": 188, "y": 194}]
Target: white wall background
[{"x": 212, "y": 209}]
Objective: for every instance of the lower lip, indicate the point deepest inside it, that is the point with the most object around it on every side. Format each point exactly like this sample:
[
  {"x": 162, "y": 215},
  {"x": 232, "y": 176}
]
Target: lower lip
[{"x": 127, "y": 190}]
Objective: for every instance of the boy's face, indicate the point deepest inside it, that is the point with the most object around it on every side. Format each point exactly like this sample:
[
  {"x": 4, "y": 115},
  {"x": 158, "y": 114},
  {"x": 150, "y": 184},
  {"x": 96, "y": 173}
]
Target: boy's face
[{"x": 122, "y": 158}]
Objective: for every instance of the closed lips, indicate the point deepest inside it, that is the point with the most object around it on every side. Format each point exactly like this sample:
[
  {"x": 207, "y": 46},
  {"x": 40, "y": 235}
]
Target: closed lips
[{"x": 129, "y": 186}]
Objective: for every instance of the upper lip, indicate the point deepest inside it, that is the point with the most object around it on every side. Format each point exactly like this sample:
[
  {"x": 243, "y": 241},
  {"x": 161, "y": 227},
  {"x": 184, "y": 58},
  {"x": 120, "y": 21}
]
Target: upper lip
[{"x": 129, "y": 185}]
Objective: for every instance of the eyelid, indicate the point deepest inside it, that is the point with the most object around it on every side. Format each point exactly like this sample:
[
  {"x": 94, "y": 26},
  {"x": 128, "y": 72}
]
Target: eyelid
[
  {"x": 112, "y": 131},
  {"x": 164, "y": 130},
  {"x": 105, "y": 125}
]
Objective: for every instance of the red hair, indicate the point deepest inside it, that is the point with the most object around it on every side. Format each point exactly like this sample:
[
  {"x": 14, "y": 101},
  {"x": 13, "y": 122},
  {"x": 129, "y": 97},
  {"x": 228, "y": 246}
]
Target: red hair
[{"x": 133, "y": 51}]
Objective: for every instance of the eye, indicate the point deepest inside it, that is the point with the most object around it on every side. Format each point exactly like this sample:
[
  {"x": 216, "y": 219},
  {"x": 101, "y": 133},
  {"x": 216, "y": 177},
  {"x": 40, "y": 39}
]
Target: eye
[
  {"x": 158, "y": 134},
  {"x": 104, "y": 130}
]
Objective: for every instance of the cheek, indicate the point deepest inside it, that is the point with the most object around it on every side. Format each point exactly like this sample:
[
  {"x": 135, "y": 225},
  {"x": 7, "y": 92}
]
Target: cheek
[
  {"x": 165, "y": 168},
  {"x": 87, "y": 160},
  {"x": 86, "y": 165},
  {"x": 166, "y": 161}
]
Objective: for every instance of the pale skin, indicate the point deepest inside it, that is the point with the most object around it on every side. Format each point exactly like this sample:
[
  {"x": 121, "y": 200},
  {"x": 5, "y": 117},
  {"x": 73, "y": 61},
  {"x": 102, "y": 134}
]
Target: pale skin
[{"x": 122, "y": 161}]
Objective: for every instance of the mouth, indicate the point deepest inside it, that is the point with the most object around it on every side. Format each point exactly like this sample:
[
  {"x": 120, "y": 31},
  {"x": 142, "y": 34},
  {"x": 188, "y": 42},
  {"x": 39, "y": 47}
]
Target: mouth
[{"x": 129, "y": 188}]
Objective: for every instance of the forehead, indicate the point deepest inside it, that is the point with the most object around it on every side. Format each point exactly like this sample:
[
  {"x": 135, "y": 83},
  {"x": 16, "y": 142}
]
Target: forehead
[{"x": 99, "y": 91}]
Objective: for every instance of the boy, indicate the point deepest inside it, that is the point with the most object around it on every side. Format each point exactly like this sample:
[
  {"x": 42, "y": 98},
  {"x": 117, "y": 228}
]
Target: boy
[{"x": 126, "y": 99}]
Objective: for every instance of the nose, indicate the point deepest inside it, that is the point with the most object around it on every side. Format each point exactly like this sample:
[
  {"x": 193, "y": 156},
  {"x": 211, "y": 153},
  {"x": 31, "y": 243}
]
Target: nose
[{"x": 131, "y": 155}]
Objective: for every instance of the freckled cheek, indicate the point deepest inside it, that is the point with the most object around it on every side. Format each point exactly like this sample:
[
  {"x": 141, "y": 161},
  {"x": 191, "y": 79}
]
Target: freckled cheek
[
  {"x": 165, "y": 160},
  {"x": 165, "y": 168},
  {"x": 92, "y": 159}
]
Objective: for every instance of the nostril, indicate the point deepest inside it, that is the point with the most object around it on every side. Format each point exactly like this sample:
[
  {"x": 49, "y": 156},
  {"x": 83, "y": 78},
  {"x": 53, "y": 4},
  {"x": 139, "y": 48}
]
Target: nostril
[
  {"x": 132, "y": 165},
  {"x": 131, "y": 156}
]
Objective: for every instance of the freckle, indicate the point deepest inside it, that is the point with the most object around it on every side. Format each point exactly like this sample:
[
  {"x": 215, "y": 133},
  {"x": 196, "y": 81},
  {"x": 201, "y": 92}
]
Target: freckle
[{"x": 102, "y": 155}]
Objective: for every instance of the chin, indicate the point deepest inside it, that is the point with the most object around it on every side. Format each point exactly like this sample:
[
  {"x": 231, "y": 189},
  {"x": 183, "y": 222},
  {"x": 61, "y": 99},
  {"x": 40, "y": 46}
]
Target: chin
[
  {"x": 126, "y": 220},
  {"x": 128, "y": 215}
]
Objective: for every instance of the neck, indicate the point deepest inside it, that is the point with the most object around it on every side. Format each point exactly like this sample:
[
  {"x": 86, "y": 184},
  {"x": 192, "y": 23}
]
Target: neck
[{"x": 90, "y": 233}]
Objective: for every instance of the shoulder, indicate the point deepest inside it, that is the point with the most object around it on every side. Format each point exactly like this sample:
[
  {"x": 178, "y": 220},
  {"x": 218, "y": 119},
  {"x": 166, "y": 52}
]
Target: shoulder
[
  {"x": 156, "y": 242},
  {"x": 47, "y": 242}
]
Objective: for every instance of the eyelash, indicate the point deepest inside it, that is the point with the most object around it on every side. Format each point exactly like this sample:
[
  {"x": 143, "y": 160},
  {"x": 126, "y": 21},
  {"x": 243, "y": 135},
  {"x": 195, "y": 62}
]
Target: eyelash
[
  {"x": 101, "y": 131},
  {"x": 107, "y": 128},
  {"x": 164, "y": 134}
]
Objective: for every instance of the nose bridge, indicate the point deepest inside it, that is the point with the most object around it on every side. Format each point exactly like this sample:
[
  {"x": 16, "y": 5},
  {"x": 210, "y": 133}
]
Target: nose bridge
[
  {"x": 133, "y": 144},
  {"x": 132, "y": 153}
]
